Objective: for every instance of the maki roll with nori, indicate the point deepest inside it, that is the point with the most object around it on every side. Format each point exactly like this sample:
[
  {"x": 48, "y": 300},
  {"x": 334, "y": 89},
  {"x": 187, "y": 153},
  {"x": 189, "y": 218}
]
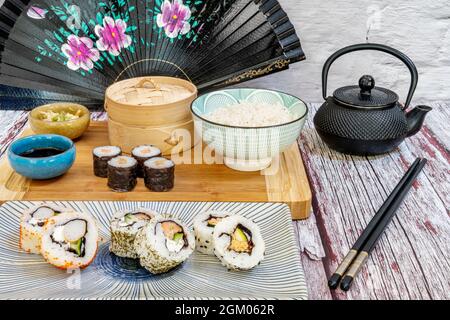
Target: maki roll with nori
[
  {"x": 164, "y": 244},
  {"x": 124, "y": 227},
  {"x": 122, "y": 176},
  {"x": 238, "y": 243},
  {"x": 70, "y": 240},
  {"x": 204, "y": 225},
  {"x": 159, "y": 174},
  {"x": 142, "y": 154},
  {"x": 32, "y": 225},
  {"x": 101, "y": 157}
]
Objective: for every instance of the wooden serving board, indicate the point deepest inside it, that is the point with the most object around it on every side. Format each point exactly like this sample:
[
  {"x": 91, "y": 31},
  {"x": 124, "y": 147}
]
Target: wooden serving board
[{"x": 193, "y": 182}]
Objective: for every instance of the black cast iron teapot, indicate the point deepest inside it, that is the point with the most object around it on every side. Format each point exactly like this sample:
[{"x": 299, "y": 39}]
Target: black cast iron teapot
[{"x": 365, "y": 119}]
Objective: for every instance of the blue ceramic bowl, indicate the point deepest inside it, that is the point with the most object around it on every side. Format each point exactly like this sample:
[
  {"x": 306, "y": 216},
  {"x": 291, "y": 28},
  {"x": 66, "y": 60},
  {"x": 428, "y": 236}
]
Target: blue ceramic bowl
[{"x": 46, "y": 167}]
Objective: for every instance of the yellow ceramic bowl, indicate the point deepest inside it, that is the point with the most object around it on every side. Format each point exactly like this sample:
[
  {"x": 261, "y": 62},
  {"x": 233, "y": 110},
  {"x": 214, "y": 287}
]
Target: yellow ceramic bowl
[{"x": 71, "y": 129}]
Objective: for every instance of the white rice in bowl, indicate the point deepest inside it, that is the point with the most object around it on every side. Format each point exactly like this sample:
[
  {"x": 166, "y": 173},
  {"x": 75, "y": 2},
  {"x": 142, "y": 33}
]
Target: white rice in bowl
[{"x": 251, "y": 114}]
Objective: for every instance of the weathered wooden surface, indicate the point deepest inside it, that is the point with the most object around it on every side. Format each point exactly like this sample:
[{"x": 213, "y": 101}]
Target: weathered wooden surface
[{"x": 412, "y": 260}]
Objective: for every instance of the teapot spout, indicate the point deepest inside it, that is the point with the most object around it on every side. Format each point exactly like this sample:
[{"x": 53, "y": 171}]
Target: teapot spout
[{"x": 415, "y": 119}]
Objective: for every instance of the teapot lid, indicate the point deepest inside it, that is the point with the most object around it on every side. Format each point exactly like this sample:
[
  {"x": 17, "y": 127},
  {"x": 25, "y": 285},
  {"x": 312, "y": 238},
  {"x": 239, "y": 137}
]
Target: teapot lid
[{"x": 366, "y": 95}]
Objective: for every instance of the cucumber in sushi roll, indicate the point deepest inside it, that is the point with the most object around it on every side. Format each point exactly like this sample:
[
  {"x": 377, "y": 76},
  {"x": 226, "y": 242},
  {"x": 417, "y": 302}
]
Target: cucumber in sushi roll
[
  {"x": 142, "y": 154},
  {"x": 164, "y": 244},
  {"x": 238, "y": 243},
  {"x": 32, "y": 224},
  {"x": 70, "y": 240},
  {"x": 124, "y": 227},
  {"x": 204, "y": 225}
]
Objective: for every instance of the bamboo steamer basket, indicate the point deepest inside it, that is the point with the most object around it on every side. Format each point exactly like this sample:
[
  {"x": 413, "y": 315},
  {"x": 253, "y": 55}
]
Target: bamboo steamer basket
[
  {"x": 151, "y": 110},
  {"x": 171, "y": 139}
]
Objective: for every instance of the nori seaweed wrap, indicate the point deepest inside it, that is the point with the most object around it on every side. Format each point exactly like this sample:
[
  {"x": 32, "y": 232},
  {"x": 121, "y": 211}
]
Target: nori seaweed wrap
[
  {"x": 101, "y": 157},
  {"x": 159, "y": 174},
  {"x": 142, "y": 154},
  {"x": 122, "y": 176}
]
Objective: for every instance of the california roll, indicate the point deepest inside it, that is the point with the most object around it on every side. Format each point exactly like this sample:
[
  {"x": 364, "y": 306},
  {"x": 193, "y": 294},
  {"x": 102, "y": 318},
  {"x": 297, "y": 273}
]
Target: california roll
[
  {"x": 163, "y": 244},
  {"x": 238, "y": 243},
  {"x": 124, "y": 227},
  {"x": 70, "y": 240},
  {"x": 204, "y": 225},
  {"x": 32, "y": 225}
]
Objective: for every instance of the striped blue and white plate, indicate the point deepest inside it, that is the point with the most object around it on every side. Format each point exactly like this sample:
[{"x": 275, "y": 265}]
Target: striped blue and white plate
[{"x": 280, "y": 275}]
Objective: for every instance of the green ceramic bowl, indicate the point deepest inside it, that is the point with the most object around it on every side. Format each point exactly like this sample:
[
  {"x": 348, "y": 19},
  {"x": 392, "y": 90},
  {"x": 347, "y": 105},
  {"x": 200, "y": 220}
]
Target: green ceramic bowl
[
  {"x": 243, "y": 148},
  {"x": 71, "y": 129}
]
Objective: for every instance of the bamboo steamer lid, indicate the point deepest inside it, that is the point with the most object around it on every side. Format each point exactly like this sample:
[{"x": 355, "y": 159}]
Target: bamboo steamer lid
[{"x": 150, "y": 101}]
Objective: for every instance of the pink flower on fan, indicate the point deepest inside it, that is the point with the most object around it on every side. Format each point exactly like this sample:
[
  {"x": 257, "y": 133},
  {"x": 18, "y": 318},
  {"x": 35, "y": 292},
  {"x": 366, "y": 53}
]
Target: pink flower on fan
[
  {"x": 37, "y": 13},
  {"x": 80, "y": 52},
  {"x": 112, "y": 37},
  {"x": 174, "y": 18}
]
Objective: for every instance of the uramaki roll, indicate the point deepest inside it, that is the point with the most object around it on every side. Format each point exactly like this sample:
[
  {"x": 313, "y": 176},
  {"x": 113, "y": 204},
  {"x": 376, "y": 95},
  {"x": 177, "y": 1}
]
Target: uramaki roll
[
  {"x": 124, "y": 226},
  {"x": 164, "y": 244},
  {"x": 143, "y": 153},
  {"x": 70, "y": 240},
  {"x": 122, "y": 175},
  {"x": 238, "y": 243},
  {"x": 159, "y": 174},
  {"x": 101, "y": 157},
  {"x": 204, "y": 225},
  {"x": 32, "y": 225}
]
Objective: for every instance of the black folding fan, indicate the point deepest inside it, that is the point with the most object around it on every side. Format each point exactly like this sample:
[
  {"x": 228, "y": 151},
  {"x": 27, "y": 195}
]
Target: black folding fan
[{"x": 73, "y": 50}]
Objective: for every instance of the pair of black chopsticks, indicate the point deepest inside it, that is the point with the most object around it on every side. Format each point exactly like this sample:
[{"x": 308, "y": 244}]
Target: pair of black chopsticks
[{"x": 354, "y": 260}]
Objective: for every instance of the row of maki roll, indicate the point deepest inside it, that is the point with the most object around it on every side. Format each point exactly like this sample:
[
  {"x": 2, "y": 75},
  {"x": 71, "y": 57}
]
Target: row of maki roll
[{"x": 122, "y": 171}]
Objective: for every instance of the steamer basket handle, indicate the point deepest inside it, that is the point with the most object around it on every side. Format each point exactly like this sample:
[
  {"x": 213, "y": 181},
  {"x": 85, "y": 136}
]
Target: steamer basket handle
[
  {"x": 142, "y": 83},
  {"x": 158, "y": 60}
]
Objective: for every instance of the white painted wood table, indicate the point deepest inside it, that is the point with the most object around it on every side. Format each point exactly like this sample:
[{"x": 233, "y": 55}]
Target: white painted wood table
[{"x": 412, "y": 260}]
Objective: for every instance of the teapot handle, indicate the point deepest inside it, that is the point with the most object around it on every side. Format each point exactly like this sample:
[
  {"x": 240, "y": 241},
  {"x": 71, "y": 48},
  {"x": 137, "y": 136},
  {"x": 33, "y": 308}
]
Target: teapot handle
[{"x": 377, "y": 47}]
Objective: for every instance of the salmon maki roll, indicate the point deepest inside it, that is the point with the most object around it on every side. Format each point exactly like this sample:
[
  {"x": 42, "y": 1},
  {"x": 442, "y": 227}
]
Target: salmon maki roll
[
  {"x": 101, "y": 156},
  {"x": 159, "y": 174},
  {"x": 142, "y": 154},
  {"x": 122, "y": 174}
]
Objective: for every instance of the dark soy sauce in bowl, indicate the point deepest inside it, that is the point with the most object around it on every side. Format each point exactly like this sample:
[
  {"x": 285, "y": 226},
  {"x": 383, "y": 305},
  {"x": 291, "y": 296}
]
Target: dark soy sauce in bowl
[{"x": 41, "y": 152}]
